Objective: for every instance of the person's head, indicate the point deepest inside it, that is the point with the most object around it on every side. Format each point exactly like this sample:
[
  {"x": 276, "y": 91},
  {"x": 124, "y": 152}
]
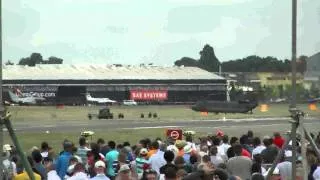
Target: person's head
[
  {"x": 143, "y": 152},
  {"x": 36, "y": 156},
  {"x": 112, "y": 144},
  {"x": 170, "y": 173},
  {"x": 204, "y": 148},
  {"x": 225, "y": 139},
  {"x": 250, "y": 134},
  {"x": 237, "y": 149},
  {"x": 168, "y": 156},
  {"x": 206, "y": 159},
  {"x": 82, "y": 141},
  {"x": 79, "y": 167},
  {"x": 257, "y": 176},
  {"x": 267, "y": 142},
  {"x": 193, "y": 159},
  {"x": 124, "y": 172},
  {"x": 126, "y": 144},
  {"x": 49, "y": 166},
  {"x": 213, "y": 151},
  {"x": 276, "y": 134},
  {"x": 67, "y": 146},
  {"x": 149, "y": 174},
  {"x": 100, "y": 141},
  {"x": 256, "y": 141},
  {"x": 154, "y": 145},
  {"x": 73, "y": 160},
  {"x": 220, "y": 174},
  {"x": 215, "y": 141},
  {"x": 244, "y": 139},
  {"x": 179, "y": 162},
  {"x": 233, "y": 140},
  {"x": 44, "y": 146},
  {"x": 189, "y": 138},
  {"x": 99, "y": 167}
]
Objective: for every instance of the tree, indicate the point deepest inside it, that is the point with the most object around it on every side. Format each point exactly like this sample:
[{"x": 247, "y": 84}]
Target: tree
[
  {"x": 54, "y": 60},
  {"x": 186, "y": 61},
  {"x": 302, "y": 64},
  {"x": 8, "y": 63},
  {"x": 35, "y": 58},
  {"x": 24, "y": 61},
  {"x": 208, "y": 59}
]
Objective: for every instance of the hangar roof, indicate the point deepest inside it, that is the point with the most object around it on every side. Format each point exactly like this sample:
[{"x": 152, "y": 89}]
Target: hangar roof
[{"x": 104, "y": 72}]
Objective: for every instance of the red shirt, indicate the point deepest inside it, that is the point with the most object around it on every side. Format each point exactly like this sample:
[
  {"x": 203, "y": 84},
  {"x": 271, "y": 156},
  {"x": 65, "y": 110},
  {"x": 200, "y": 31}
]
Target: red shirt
[
  {"x": 245, "y": 153},
  {"x": 278, "y": 141}
]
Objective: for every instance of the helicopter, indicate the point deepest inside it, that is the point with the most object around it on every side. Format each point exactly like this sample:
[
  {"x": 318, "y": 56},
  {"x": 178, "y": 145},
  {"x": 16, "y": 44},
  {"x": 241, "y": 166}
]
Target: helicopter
[{"x": 241, "y": 105}]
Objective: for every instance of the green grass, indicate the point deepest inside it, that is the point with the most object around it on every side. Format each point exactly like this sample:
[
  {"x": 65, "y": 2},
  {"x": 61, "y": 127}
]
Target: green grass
[{"x": 51, "y": 114}]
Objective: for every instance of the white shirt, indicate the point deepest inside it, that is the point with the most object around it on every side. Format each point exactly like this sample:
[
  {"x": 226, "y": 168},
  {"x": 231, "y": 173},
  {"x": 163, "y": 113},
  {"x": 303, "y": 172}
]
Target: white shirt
[
  {"x": 157, "y": 161},
  {"x": 258, "y": 150},
  {"x": 224, "y": 147},
  {"x": 52, "y": 175},
  {"x": 100, "y": 177},
  {"x": 79, "y": 176},
  {"x": 316, "y": 174},
  {"x": 216, "y": 160}
]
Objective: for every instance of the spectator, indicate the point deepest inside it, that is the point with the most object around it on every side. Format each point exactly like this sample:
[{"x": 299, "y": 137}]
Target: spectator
[
  {"x": 104, "y": 149},
  {"x": 169, "y": 157},
  {"x": 83, "y": 149},
  {"x": 285, "y": 166},
  {"x": 214, "y": 158},
  {"x": 157, "y": 159},
  {"x": 111, "y": 156},
  {"x": 278, "y": 140},
  {"x": 22, "y": 174},
  {"x": 51, "y": 172},
  {"x": 170, "y": 173},
  {"x": 37, "y": 159},
  {"x": 187, "y": 153},
  {"x": 141, "y": 161},
  {"x": 149, "y": 174},
  {"x": 181, "y": 164},
  {"x": 220, "y": 174},
  {"x": 257, "y": 176},
  {"x": 153, "y": 148},
  {"x": 63, "y": 159},
  {"x": 99, "y": 168},
  {"x": 45, "y": 149},
  {"x": 258, "y": 147},
  {"x": 225, "y": 145},
  {"x": 239, "y": 165},
  {"x": 270, "y": 153},
  {"x": 92, "y": 157},
  {"x": 230, "y": 152},
  {"x": 79, "y": 173},
  {"x": 246, "y": 148}
]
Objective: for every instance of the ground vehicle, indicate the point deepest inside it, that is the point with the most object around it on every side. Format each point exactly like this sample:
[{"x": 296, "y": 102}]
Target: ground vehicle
[
  {"x": 103, "y": 113},
  {"x": 129, "y": 102}
]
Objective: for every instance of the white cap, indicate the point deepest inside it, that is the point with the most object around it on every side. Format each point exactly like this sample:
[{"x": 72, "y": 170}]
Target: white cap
[
  {"x": 6, "y": 148},
  {"x": 100, "y": 164}
]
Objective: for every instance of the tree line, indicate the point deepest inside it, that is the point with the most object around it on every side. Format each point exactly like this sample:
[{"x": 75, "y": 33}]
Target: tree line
[
  {"x": 210, "y": 62},
  {"x": 36, "y": 58}
]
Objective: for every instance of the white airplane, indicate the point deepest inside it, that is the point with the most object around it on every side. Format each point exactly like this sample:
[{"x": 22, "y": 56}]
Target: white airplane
[
  {"x": 99, "y": 100},
  {"x": 22, "y": 100}
]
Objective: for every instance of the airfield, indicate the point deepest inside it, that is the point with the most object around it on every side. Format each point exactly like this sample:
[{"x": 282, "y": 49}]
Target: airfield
[{"x": 34, "y": 124}]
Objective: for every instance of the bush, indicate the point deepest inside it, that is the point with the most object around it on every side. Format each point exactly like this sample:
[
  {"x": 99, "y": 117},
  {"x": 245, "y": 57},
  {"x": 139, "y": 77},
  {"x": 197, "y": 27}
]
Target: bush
[
  {"x": 155, "y": 115},
  {"x": 141, "y": 115}
]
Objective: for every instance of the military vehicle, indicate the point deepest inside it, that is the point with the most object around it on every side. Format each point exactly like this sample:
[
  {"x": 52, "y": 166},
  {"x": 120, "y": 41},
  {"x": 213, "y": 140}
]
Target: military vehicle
[
  {"x": 103, "y": 113},
  {"x": 241, "y": 106}
]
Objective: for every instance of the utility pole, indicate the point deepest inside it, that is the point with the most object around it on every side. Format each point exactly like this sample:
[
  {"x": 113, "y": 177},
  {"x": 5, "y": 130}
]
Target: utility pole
[
  {"x": 293, "y": 106},
  {"x": 1, "y": 99}
]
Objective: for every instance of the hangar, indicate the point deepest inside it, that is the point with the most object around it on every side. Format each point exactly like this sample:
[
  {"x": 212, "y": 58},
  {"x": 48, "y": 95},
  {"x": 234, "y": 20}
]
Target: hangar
[{"x": 142, "y": 83}]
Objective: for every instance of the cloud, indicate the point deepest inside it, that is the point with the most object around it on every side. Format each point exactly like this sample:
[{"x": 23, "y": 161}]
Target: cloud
[{"x": 117, "y": 29}]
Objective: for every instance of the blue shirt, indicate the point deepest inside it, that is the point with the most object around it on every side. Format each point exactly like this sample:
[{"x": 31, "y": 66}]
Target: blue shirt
[
  {"x": 63, "y": 163},
  {"x": 111, "y": 156}
]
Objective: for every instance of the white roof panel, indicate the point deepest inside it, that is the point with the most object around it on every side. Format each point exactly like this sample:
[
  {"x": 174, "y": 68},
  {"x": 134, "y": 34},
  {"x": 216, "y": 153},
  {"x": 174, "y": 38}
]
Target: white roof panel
[{"x": 104, "y": 72}]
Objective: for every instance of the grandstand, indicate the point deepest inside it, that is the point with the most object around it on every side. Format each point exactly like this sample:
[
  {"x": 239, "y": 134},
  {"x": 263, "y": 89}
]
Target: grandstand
[{"x": 181, "y": 84}]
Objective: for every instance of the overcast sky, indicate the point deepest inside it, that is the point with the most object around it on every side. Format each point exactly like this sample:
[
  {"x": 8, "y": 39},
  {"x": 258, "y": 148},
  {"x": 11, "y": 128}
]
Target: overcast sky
[{"x": 158, "y": 31}]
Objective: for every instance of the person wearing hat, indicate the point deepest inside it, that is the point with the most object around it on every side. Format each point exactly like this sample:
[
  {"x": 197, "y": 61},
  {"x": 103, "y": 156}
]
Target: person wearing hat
[
  {"x": 141, "y": 160},
  {"x": 99, "y": 168}
]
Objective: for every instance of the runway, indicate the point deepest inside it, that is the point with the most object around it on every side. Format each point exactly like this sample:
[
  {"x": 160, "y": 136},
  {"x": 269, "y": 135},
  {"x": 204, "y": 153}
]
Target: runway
[{"x": 112, "y": 125}]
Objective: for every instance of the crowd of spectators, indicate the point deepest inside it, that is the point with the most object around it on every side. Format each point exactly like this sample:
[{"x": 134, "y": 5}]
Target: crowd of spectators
[{"x": 216, "y": 157}]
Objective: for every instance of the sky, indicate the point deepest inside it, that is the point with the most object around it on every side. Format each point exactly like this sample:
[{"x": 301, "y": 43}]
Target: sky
[{"x": 155, "y": 31}]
